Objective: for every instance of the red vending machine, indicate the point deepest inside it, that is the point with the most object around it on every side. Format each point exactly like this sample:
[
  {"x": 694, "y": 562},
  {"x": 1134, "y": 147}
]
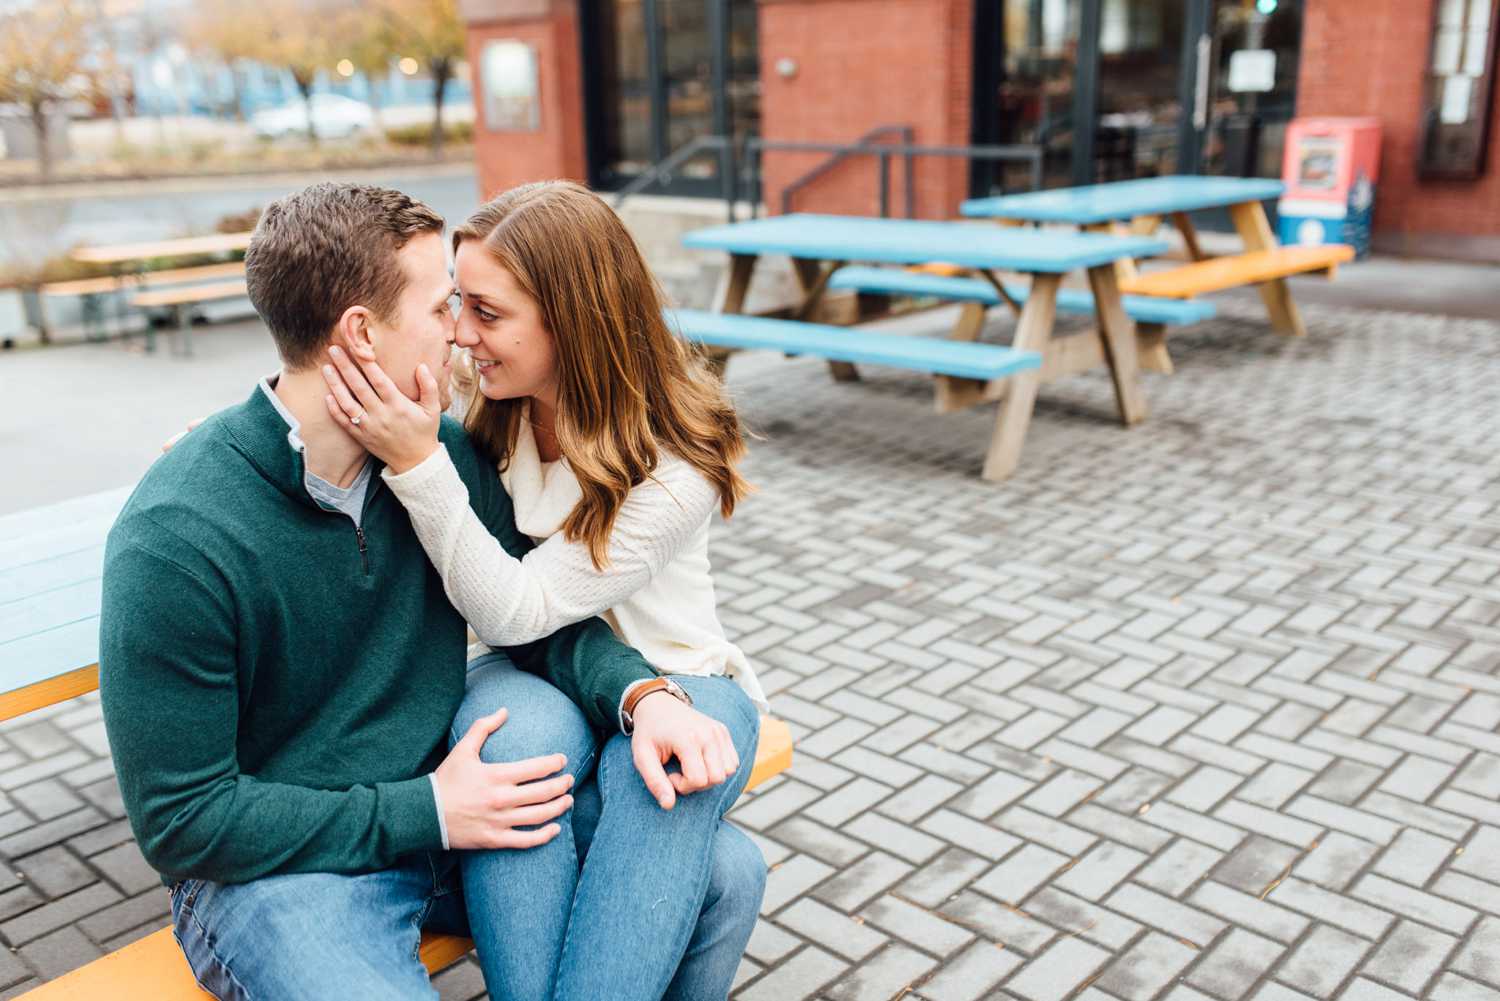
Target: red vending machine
[{"x": 1330, "y": 169}]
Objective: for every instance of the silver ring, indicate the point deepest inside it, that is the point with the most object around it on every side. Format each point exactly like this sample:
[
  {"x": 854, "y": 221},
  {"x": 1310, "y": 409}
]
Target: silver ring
[{"x": 357, "y": 418}]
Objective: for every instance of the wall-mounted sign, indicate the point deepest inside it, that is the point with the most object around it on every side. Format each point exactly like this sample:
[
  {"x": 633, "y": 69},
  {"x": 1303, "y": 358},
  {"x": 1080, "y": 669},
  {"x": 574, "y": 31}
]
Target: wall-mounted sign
[
  {"x": 1252, "y": 70},
  {"x": 508, "y": 76}
]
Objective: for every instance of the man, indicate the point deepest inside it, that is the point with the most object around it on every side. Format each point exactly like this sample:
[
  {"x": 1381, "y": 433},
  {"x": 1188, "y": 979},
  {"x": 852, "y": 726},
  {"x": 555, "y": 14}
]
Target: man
[{"x": 280, "y": 668}]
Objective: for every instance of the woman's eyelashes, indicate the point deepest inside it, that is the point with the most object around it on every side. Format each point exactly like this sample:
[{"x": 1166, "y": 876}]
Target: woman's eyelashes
[{"x": 484, "y": 315}]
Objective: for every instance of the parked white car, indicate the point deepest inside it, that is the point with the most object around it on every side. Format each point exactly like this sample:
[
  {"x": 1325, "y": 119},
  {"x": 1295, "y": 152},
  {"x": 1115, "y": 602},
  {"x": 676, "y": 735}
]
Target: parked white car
[{"x": 334, "y": 116}]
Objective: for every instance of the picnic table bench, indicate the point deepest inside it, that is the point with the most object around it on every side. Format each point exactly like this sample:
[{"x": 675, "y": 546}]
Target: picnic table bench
[
  {"x": 820, "y": 245},
  {"x": 127, "y": 262},
  {"x": 1141, "y": 205},
  {"x": 51, "y": 567}
]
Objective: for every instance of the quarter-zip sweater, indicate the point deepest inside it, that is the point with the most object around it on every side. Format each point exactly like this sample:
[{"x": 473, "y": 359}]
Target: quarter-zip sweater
[{"x": 277, "y": 685}]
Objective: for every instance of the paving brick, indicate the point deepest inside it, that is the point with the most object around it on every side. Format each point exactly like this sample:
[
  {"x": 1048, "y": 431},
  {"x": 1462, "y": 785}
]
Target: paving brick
[
  {"x": 1323, "y": 960},
  {"x": 63, "y": 950},
  {"x": 1256, "y": 864},
  {"x": 1000, "y": 924},
  {"x": 792, "y": 878},
  {"x": 1481, "y": 855},
  {"x": 1451, "y": 985},
  {"x": 1336, "y": 860},
  {"x": 1409, "y": 956},
  {"x": 64, "y": 911},
  {"x": 1413, "y": 903},
  {"x": 971, "y": 974},
  {"x": 843, "y": 934},
  {"x": 55, "y": 871},
  {"x": 1165, "y": 914},
  {"x": 1234, "y": 963},
  {"x": 889, "y": 974},
  {"x": 1335, "y": 909},
  {"x": 992, "y": 795},
  {"x": 152, "y": 907},
  {"x": 1054, "y": 974},
  {"x": 800, "y": 976},
  {"x": 853, "y": 887},
  {"x": 940, "y": 879},
  {"x": 805, "y": 835},
  {"x": 1011, "y": 880},
  {"x": 1479, "y": 959},
  {"x": 1150, "y": 965},
  {"x": 1414, "y": 857},
  {"x": 1100, "y": 871},
  {"x": 768, "y": 943}
]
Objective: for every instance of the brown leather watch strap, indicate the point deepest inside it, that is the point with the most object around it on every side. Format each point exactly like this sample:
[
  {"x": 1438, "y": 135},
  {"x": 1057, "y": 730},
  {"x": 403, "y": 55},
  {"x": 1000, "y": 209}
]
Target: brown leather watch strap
[{"x": 640, "y": 692}]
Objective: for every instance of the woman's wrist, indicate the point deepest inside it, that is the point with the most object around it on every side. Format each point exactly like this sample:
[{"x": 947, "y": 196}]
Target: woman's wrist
[{"x": 409, "y": 460}]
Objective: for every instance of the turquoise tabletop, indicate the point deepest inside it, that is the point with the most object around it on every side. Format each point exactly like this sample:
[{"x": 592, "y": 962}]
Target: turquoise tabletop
[
  {"x": 1124, "y": 199},
  {"x": 51, "y": 564},
  {"x": 911, "y": 241}
]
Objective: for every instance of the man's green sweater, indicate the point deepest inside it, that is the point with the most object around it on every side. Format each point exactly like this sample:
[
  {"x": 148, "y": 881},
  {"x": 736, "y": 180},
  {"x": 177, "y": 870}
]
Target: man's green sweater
[{"x": 277, "y": 685}]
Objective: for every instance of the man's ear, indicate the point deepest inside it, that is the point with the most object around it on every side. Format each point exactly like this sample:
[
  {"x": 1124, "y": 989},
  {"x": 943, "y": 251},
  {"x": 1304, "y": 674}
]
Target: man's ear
[{"x": 353, "y": 334}]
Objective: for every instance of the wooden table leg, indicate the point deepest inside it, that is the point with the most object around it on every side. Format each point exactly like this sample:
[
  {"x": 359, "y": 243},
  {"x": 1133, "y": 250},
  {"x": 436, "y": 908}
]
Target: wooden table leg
[
  {"x": 954, "y": 392},
  {"x": 1032, "y": 334},
  {"x": 1255, "y": 231},
  {"x": 734, "y": 286},
  {"x": 1184, "y": 226},
  {"x": 813, "y": 277},
  {"x": 1118, "y": 333}
]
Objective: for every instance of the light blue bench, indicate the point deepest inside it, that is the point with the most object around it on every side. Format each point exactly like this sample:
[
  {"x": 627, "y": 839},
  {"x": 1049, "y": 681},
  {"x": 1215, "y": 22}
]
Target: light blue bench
[
  {"x": 893, "y": 281},
  {"x": 935, "y": 355}
]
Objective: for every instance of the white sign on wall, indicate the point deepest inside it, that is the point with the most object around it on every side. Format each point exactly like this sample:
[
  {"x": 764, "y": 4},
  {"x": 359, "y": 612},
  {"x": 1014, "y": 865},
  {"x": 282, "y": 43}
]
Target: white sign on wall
[{"x": 1252, "y": 70}]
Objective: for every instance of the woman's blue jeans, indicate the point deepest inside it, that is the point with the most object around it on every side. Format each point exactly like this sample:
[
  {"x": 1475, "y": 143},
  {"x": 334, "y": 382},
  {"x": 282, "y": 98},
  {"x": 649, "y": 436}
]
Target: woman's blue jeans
[{"x": 629, "y": 902}]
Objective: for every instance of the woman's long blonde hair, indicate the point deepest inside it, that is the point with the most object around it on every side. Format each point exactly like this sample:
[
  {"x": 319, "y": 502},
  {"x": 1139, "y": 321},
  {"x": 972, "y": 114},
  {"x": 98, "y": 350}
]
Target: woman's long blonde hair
[{"x": 626, "y": 387}]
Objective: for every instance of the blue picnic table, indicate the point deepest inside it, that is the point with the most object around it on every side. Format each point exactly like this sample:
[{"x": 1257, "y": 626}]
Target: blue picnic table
[
  {"x": 819, "y": 245},
  {"x": 51, "y": 566},
  {"x": 1143, "y": 204},
  {"x": 1123, "y": 200}
]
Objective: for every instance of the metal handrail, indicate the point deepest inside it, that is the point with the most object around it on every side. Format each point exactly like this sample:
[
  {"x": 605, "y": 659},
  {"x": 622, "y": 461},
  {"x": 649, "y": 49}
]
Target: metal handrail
[
  {"x": 751, "y": 151},
  {"x": 904, "y": 132}
]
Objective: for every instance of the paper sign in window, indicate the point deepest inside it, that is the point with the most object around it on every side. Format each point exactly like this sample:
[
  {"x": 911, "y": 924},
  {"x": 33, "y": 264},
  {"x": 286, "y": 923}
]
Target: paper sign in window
[{"x": 508, "y": 74}]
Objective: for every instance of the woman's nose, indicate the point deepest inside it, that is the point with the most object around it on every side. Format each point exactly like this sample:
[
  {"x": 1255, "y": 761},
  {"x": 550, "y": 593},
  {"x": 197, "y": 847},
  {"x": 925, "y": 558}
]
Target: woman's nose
[{"x": 463, "y": 336}]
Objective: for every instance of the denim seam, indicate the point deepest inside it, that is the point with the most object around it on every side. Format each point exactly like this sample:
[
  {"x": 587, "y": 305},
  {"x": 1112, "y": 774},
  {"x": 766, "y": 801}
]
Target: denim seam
[{"x": 208, "y": 945}]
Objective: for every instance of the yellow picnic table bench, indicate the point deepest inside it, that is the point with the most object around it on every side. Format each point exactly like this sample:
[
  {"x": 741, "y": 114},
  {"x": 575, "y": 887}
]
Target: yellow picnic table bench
[{"x": 51, "y": 564}]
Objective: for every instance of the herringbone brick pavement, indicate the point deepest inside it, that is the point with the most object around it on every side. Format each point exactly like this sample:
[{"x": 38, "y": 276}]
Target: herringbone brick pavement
[{"x": 1198, "y": 711}]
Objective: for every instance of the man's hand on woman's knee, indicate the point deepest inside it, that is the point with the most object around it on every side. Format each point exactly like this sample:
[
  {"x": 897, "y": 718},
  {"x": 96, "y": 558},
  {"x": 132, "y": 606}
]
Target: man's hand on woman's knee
[
  {"x": 484, "y": 805},
  {"x": 666, "y": 728}
]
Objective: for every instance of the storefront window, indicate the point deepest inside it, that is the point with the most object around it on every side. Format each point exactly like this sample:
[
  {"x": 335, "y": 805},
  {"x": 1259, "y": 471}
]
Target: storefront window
[
  {"x": 1458, "y": 93},
  {"x": 653, "y": 88}
]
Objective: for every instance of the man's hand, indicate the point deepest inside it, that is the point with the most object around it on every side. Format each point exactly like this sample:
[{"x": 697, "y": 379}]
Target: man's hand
[
  {"x": 484, "y": 804},
  {"x": 666, "y": 728},
  {"x": 167, "y": 445}
]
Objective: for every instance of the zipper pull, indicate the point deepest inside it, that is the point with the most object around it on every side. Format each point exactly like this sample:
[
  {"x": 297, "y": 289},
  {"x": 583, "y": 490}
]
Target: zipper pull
[{"x": 364, "y": 559}]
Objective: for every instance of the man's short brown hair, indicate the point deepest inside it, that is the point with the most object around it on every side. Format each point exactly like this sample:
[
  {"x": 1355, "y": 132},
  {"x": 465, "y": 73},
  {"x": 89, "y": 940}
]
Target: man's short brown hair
[{"x": 323, "y": 249}]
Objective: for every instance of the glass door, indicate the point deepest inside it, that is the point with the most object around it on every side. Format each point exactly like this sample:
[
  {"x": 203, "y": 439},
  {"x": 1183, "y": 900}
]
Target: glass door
[
  {"x": 1140, "y": 110},
  {"x": 662, "y": 73},
  {"x": 1025, "y": 61},
  {"x": 1252, "y": 90}
]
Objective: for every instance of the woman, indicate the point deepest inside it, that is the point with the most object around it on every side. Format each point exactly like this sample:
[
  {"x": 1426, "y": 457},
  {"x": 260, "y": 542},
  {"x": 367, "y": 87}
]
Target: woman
[{"x": 616, "y": 448}]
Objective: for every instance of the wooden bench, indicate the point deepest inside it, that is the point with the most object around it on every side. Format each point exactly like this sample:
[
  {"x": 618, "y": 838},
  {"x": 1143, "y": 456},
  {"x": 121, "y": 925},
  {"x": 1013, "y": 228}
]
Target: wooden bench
[
  {"x": 51, "y": 562},
  {"x": 91, "y": 290},
  {"x": 180, "y": 301},
  {"x": 1219, "y": 273},
  {"x": 154, "y": 969},
  {"x": 1152, "y": 315}
]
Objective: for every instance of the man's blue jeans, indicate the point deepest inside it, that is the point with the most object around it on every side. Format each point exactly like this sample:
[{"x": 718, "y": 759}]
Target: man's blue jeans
[{"x": 662, "y": 905}]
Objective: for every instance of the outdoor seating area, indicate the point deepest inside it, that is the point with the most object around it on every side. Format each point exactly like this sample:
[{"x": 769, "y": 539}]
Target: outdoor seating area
[
  {"x": 135, "y": 281},
  {"x": 964, "y": 263}
]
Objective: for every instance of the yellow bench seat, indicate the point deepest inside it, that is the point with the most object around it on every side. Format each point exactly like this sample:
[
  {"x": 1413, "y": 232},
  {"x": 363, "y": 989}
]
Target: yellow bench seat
[
  {"x": 154, "y": 969},
  {"x": 1219, "y": 273}
]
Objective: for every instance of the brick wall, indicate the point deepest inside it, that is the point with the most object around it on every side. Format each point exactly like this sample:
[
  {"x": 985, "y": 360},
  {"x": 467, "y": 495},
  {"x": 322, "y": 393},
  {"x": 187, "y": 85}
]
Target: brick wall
[
  {"x": 506, "y": 159},
  {"x": 1367, "y": 57},
  {"x": 863, "y": 64}
]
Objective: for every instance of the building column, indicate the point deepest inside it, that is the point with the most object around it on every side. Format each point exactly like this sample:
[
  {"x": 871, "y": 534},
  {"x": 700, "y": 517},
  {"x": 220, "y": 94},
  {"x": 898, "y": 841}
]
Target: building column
[
  {"x": 832, "y": 70},
  {"x": 514, "y": 151}
]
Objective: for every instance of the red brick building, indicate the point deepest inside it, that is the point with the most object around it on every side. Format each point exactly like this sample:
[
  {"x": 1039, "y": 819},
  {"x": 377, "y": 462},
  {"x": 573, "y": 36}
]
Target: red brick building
[{"x": 599, "y": 90}]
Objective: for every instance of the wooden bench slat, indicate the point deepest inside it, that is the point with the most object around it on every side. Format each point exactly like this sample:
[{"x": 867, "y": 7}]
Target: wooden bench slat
[
  {"x": 893, "y": 281},
  {"x": 1219, "y": 273},
  {"x": 191, "y": 294},
  {"x": 921, "y": 354},
  {"x": 150, "y": 279}
]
